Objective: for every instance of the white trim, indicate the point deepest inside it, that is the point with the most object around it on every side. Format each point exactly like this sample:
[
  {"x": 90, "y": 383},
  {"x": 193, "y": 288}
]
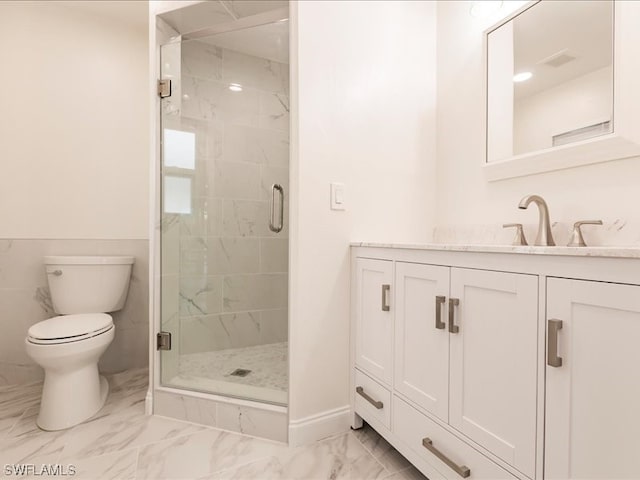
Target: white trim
[
  {"x": 148, "y": 402},
  {"x": 153, "y": 234},
  {"x": 603, "y": 148},
  {"x": 241, "y": 402},
  {"x": 295, "y": 315},
  {"x": 623, "y": 143},
  {"x": 155, "y": 9},
  {"x": 508, "y": 18},
  {"x": 322, "y": 425}
]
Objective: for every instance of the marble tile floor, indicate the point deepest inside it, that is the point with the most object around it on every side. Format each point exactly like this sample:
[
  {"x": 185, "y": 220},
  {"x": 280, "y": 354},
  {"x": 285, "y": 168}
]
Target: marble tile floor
[
  {"x": 121, "y": 442},
  {"x": 211, "y": 372}
]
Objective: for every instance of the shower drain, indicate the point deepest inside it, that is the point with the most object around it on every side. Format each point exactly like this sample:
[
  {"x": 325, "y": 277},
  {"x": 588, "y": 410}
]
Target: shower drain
[{"x": 240, "y": 372}]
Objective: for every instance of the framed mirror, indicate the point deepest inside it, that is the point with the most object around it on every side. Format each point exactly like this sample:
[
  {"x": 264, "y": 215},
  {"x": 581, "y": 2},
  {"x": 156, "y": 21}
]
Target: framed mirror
[{"x": 554, "y": 73}]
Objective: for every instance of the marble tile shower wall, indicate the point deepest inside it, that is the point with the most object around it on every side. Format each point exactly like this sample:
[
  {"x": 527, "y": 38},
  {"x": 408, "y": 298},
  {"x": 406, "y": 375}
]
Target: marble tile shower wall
[
  {"x": 224, "y": 273},
  {"x": 25, "y": 300}
]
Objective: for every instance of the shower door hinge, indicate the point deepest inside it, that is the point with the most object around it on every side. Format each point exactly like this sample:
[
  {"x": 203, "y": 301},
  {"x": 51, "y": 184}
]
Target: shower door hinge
[
  {"x": 164, "y": 88},
  {"x": 163, "y": 341}
]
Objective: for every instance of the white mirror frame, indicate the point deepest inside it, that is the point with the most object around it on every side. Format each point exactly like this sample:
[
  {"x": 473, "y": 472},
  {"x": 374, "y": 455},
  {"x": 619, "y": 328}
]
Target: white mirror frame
[{"x": 624, "y": 142}]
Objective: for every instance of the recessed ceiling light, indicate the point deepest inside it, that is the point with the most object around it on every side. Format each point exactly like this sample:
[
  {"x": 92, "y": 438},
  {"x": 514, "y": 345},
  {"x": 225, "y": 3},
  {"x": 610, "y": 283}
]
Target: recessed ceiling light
[
  {"x": 522, "y": 76},
  {"x": 235, "y": 87}
]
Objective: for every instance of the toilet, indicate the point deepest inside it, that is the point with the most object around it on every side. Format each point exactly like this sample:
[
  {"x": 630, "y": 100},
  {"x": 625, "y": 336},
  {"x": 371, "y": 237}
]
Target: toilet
[{"x": 68, "y": 346}]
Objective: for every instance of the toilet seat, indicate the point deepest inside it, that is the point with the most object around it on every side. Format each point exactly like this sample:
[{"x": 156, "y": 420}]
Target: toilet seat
[{"x": 69, "y": 328}]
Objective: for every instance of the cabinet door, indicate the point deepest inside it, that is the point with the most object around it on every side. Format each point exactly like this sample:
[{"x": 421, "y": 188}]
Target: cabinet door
[
  {"x": 494, "y": 362},
  {"x": 422, "y": 339},
  {"x": 374, "y": 321},
  {"x": 593, "y": 394}
]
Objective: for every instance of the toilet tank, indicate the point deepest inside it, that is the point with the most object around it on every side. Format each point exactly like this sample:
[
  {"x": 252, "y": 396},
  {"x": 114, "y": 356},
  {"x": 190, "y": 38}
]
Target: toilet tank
[{"x": 88, "y": 284}]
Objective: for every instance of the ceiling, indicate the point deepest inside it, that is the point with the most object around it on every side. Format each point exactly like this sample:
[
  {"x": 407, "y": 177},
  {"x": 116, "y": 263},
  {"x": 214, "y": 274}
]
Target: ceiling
[
  {"x": 206, "y": 14},
  {"x": 583, "y": 30},
  {"x": 196, "y": 17},
  {"x": 264, "y": 40},
  {"x": 270, "y": 41},
  {"x": 245, "y": 8}
]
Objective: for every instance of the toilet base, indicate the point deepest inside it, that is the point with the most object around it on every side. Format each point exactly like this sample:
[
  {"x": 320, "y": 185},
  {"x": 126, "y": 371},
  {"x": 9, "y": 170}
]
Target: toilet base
[
  {"x": 64, "y": 407},
  {"x": 73, "y": 390},
  {"x": 71, "y": 401}
]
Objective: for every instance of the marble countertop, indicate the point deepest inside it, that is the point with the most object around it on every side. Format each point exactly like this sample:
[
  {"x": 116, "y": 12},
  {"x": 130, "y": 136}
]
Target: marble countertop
[{"x": 616, "y": 252}]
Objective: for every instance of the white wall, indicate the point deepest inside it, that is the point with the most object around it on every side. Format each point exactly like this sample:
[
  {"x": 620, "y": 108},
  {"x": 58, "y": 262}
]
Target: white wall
[
  {"x": 608, "y": 190},
  {"x": 74, "y": 123},
  {"x": 580, "y": 102},
  {"x": 500, "y": 95},
  {"x": 365, "y": 94}
]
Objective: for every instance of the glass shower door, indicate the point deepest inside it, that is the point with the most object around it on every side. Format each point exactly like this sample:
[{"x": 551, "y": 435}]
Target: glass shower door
[{"x": 224, "y": 227}]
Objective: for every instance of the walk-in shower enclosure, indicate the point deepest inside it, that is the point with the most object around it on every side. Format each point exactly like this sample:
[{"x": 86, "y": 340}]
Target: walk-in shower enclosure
[{"x": 223, "y": 214}]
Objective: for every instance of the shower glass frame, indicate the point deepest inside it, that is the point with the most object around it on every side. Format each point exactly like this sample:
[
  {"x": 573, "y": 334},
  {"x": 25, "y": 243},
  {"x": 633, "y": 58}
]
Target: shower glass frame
[{"x": 213, "y": 341}]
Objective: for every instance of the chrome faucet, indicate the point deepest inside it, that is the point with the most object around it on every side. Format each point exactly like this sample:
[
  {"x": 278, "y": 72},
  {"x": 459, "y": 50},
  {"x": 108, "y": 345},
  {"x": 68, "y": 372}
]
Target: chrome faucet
[{"x": 544, "y": 237}]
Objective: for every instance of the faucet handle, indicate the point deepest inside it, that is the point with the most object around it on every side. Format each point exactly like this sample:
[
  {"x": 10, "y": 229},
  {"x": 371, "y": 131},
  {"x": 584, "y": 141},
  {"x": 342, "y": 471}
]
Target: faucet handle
[
  {"x": 519, "y": 239},
  {"x": 577, "y": 240}
]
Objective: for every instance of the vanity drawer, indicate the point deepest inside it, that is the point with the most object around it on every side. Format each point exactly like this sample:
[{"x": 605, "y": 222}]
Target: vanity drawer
[
  {"x": 449, "y": 455},
  {"x": 372, "y": 400}
]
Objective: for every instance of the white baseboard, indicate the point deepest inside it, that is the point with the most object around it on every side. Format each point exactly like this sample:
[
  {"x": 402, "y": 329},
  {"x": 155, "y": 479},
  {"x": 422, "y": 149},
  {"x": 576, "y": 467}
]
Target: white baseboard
[
  {"x": 148, "y": 403},
  {"x": 322, "y": 425}
]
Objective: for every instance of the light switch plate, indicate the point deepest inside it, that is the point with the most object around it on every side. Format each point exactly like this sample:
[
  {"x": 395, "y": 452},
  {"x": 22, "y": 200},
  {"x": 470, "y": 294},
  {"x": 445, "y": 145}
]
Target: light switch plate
[{"x": 337, "y": 196}]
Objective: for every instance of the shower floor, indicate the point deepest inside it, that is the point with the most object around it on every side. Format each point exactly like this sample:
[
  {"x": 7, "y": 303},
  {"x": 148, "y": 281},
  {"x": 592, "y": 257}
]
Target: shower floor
[{"x": 267, "y": 380}]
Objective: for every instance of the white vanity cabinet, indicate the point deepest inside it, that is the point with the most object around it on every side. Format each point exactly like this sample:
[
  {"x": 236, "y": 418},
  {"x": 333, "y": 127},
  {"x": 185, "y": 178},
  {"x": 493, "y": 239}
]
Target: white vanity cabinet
[
  {"x": 592, "y": 421},
  {"x": 373, "y": 317},
  {"x": 466, "y": 352},
  {"x": 421, "y": 337},
  {"x": 493, "y": 363},
  {"x": 490, "y": 364}
]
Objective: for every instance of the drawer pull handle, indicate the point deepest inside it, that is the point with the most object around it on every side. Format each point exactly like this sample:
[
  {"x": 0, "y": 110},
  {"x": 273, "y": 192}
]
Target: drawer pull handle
[
  {"x": 385, "y": 297},
  {"x": 376, "y": 403},
  {"x": 553, "y": 360},
  {"x": 453, "y": 302},
  {"x": 461, "y": 470},
  {"x": 439, "y": 303}
]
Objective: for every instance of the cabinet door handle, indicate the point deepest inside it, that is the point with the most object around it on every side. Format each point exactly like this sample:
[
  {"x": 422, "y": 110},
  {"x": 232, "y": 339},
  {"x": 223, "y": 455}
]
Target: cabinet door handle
[
  {"x": 385, "y": 297},
  {"x": 553, "y": 360},
  {"x": 453, "y": 302},
  {"x": 376, "y": 403},
  {"x": 439, "y": 303},
  {"x": 461, "y": 470}
]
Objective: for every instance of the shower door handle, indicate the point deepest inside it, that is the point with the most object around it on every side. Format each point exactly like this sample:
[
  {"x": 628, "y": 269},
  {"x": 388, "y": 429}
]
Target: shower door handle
[{"x": 272, "y": 221}]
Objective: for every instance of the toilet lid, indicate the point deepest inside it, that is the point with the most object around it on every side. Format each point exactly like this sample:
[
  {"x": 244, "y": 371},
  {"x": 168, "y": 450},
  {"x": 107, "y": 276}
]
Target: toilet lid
[{"x": 70, "y": 327}]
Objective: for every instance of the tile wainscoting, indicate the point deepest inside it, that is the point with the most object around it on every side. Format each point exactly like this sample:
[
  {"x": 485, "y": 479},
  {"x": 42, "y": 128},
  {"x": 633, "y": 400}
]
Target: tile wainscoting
[{"x": 25, "y": 300}]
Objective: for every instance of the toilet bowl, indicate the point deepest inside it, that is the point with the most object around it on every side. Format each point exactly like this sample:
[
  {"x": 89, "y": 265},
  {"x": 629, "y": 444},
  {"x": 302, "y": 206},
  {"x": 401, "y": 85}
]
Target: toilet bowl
[{"x": 69, "y": 346}]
